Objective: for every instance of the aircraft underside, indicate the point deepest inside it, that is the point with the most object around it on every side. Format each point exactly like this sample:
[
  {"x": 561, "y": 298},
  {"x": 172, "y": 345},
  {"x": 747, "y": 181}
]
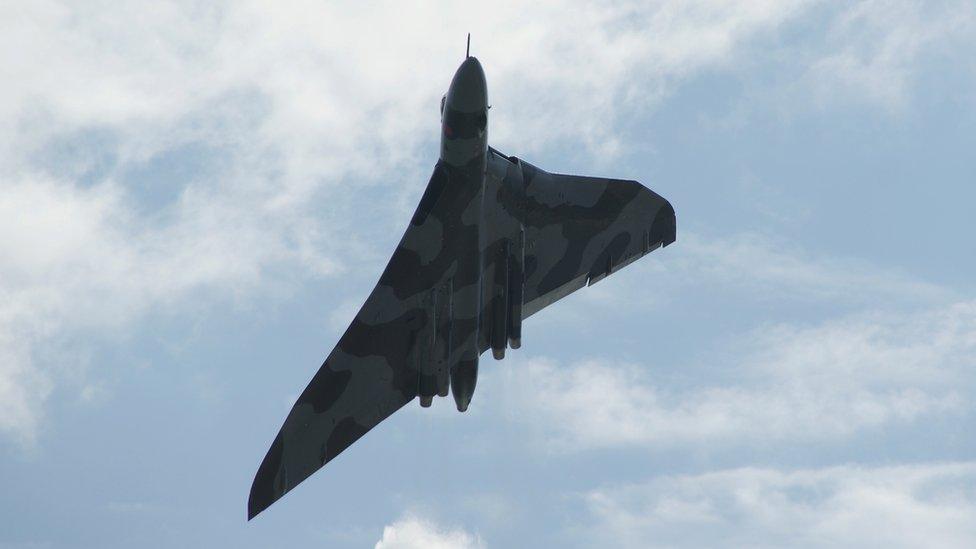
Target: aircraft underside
[{"x": 494, "y": 240}]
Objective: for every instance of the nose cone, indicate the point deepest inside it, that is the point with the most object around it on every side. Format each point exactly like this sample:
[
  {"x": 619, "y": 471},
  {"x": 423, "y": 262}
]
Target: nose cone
[
  {"x": 468, "y": 92},
  {"x": 464, "y": 119}
]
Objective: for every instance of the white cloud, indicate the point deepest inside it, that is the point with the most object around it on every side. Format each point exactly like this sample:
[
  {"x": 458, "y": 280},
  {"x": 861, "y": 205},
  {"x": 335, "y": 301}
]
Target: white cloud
[
  {"x": 925, "y": 505},
  {"x": 875, "y": 48},
  {"x": 337, "y": 89},
  {"x": 413, "y": 532},
  {"x": 785, "y": 383},
  {"x": 79, "y": 261},
  {"x": 20, "y": 386}
]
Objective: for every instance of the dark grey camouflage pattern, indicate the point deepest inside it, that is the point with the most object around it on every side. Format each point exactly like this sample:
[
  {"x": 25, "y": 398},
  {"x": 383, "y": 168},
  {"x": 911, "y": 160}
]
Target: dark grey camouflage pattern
[{"x": 494, "y": 240}]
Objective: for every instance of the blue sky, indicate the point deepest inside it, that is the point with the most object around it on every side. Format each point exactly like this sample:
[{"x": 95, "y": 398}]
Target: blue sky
[{"x": 195, "y": 200}]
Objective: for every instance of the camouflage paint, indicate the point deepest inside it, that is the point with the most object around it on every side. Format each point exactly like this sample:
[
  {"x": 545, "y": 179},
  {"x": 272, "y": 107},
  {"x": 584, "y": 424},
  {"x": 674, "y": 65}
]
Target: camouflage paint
[{"x": 494, "y": 240}]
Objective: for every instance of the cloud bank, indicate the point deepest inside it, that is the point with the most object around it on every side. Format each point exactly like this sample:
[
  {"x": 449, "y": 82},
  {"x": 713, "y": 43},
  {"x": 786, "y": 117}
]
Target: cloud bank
[
  {"x": 778, "y": 383},
  {"x": 926, "y": 505}
]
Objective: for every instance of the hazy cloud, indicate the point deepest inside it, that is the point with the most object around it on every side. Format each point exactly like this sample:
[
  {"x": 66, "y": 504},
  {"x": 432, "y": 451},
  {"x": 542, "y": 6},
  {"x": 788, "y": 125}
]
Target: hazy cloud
[
  {"x": 781, "y": 382},
  {"x": 876, "y": 48},
  {"x": 920, "y": 505},
  {"x": 765, "y": 268},
  {"x": 770, "y": 268}
]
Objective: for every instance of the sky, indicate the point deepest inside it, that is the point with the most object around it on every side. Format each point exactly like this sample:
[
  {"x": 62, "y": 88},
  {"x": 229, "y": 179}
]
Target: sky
[{"x": 195, "y": 200}]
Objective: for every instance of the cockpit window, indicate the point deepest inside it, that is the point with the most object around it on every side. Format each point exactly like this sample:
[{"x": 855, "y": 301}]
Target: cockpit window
[{"x": 463, "y": 125}]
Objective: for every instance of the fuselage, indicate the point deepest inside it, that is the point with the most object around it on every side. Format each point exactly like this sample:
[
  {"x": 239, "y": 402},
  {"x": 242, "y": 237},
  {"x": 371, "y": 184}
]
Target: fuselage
[
  {"x": 458, "y": 186},
  {"x": 485, "y": 233}
]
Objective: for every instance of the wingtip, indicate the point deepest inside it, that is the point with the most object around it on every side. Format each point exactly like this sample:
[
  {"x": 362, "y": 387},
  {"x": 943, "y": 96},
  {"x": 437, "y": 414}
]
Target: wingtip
[
  {"x": 254, "y": 507},
  {"x": 665, "y": 225},
  {"x": 263, "y": 492}
]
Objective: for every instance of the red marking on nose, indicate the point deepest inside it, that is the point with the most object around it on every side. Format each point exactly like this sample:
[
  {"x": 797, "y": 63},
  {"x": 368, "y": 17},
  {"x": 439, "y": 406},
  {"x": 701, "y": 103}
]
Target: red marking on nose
[{"x": 448, "y": 131}]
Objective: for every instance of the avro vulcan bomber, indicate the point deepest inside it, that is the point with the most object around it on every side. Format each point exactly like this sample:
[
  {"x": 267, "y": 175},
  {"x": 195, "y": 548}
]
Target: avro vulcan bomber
[{"x": 493, "y": 241}]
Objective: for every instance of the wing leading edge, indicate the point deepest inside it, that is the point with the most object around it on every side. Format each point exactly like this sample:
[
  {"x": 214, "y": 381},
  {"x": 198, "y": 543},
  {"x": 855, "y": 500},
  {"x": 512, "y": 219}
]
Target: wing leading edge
[
  {"x": 385, "y": 356},
  {"x": 364, "y": 380}
]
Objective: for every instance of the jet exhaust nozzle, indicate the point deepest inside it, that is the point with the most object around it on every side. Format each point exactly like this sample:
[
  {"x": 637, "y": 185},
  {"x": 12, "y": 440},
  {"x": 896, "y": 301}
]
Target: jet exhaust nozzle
[{"x": 463, "y": 381}]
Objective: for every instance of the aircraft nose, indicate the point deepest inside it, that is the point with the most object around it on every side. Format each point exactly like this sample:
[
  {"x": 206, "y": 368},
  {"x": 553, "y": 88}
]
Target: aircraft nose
[{"x": 468, "y": 91}]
